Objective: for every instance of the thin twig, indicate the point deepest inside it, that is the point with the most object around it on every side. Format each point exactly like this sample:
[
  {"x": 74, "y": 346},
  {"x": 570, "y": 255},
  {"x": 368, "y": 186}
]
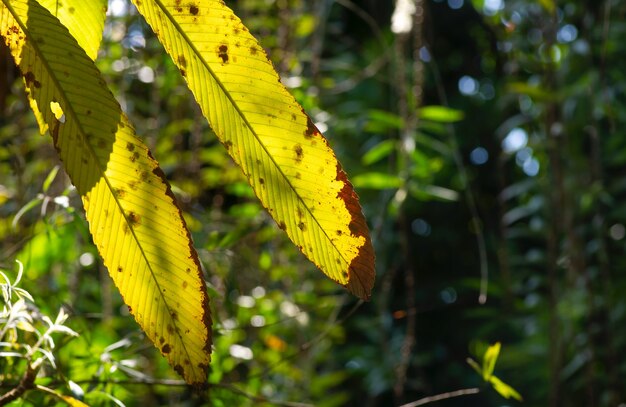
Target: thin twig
[{"x": 443, "y": 396}]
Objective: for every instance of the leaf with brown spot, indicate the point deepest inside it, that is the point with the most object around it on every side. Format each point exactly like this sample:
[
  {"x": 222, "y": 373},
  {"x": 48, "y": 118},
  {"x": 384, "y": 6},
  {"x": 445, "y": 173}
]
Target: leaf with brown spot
[
  {"x": 269, "y": 136},
  {"x": 139, "y": 232}
]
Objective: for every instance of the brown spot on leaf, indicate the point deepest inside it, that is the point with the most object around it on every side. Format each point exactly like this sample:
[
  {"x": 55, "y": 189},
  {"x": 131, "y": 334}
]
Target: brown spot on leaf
[
  {"x": 182, "y": 61},
  {"x": 310, "y": 129},
  {"x": 302, "y": 226},
  {"x": 282, "y": 225},
  {"x": 119, "y": 269},
  {"x": 298, "y": 175},
  {"x": 193, "y": 9},
  {"x": 185, "y": 284},
  {"x": 261, "y": 181},
  {"x": 174, "y": 315},
  {"x": 134, "y": 219},
  {"x": 166, "y": 348},
  {"x": 222, "y": 52},
  {"x": 299, "y": 153},
  {"x": 179, "y": 369},
  {"x": 170, "y": 329},
  {"x": 121, "y": 192},
  {"x": 134, "y": 157},
  {"x": 253, "y": 50},
  {"x": 228, "y": 144},
  {"x": 339, "y": 233},
  {"x": 29, "y": 77},
  {"x": 130, "y": 146},
  {"x": 71, "y": 10}
]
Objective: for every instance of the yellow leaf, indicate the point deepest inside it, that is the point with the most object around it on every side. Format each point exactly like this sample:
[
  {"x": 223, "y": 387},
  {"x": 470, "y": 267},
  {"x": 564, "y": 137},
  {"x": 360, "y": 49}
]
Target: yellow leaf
[
  {"x": 83, "y": 18},
  {"x": 489, "y": 360},
  {"x": 85, "y": 21},
  {"x": 132, "y": 214},
  {"x": 504, "y": 389},
  {"x": 71, "y": 401},
  {"x": 285, "y": 158}
]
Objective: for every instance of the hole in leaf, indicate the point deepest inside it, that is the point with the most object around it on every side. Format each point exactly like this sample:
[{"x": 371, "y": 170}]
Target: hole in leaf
[{"x": 57, "y": 111}]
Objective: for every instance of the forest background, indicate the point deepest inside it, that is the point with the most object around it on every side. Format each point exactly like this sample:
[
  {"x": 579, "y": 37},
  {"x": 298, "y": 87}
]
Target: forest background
[{"x": 484, "y": 139}]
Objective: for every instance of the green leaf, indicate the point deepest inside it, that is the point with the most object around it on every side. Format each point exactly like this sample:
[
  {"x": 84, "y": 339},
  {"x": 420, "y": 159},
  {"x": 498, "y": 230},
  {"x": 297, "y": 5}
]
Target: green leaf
[
  {"x": 440, "y": 114},
  {"x": 51, "y": 176},
  {"x": 380, "y": 121},
  {"x": 133, "y": 218},
  {"x": 377, "y": 180},
  {"x": 289, "y": 164},
  {"x": 378, "y": 152}
]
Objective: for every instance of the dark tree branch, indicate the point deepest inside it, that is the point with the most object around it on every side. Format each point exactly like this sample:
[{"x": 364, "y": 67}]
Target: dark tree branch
[{"x": 27, "y": 383}]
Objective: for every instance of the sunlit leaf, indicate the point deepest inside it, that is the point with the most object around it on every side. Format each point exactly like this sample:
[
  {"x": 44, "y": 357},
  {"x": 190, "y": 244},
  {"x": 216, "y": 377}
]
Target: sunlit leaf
[
  {"x": 489, "y": 360},
  {"x": 504, "y": 389},
  {"x": 285, "y": 158},
  {"x": 83, "y": 18},
  {"x": 69, "y": 400},
  {"x": 135, "y": 223},
  {"x": 440, "y": 114},
  {"x": 85, "y": 21}
]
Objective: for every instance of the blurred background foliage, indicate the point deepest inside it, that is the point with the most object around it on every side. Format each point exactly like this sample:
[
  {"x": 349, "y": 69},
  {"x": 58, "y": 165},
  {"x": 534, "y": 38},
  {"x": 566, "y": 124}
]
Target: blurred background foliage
[{"x": 484, "y": 138}]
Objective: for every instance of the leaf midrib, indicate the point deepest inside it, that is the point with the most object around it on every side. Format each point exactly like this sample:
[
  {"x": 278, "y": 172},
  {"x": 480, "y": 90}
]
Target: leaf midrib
[{"x": 242, "y": 116}]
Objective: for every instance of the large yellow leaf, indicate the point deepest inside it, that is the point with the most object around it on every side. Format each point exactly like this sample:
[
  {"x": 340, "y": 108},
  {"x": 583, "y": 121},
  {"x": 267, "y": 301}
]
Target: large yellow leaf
[
  {"x": 85, "y": 21},
  {"x": 83, "y": 18},
  {"x": 286, "y": 159},
  {"x": 133, "y": 218}
]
